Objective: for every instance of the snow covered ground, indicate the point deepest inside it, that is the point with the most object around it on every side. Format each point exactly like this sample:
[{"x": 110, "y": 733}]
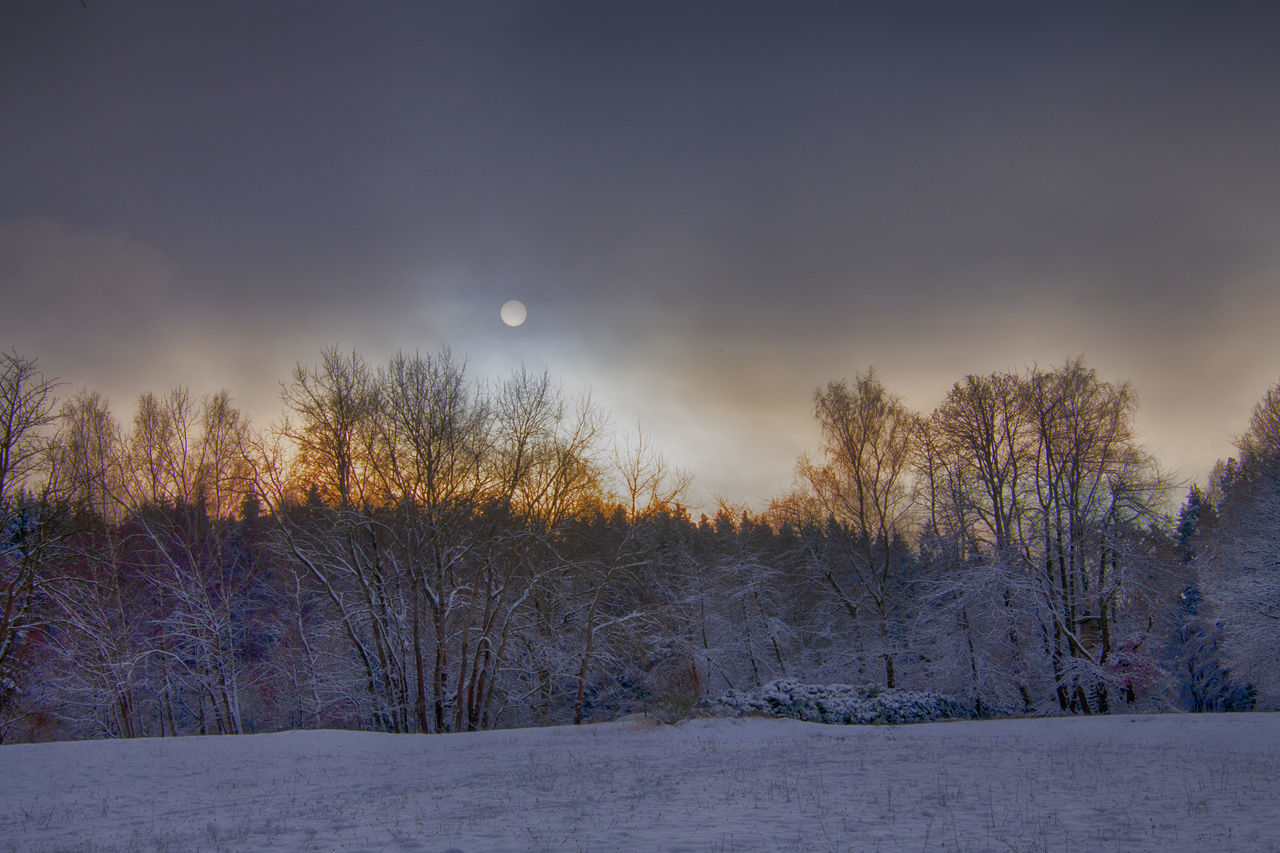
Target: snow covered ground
[{"x": 1169, "y": 783}]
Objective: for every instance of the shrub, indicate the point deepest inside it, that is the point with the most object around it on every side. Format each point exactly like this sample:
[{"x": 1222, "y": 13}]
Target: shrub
[{"x": 842, "y": 704}]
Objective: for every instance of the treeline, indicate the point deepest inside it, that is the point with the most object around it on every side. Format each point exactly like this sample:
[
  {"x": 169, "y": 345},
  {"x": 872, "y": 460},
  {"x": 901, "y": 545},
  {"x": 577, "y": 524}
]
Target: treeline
[{"x": 410, "y": 550}]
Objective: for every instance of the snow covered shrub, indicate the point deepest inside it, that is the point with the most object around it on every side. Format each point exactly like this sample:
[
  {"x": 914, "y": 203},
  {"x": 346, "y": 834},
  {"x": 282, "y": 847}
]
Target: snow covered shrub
[{"x": 839, "y": 703}]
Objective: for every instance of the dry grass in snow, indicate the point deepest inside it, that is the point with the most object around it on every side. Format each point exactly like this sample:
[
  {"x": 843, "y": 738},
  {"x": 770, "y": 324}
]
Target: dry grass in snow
[{"x": 1168, "y": 783}]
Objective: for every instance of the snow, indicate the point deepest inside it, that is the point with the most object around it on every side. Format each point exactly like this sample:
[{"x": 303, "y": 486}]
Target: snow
[
  {"x": 1120, "y": 783},
  {"x": 839, "y": 703}
]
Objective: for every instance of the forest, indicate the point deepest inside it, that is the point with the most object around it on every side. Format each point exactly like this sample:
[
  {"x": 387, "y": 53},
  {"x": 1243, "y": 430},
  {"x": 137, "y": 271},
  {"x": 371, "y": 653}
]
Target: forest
[{"x": 409, "y": 549}]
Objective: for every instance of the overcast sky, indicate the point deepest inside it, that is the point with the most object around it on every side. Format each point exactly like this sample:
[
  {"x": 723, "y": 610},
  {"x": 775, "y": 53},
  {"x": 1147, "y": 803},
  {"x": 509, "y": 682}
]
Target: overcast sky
[{"x": 708, "y": 208}]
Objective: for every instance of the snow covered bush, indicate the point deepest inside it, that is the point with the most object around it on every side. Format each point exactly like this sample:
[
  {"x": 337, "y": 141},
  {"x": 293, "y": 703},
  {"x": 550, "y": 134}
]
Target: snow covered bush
[{"x": 839, "y": 703}]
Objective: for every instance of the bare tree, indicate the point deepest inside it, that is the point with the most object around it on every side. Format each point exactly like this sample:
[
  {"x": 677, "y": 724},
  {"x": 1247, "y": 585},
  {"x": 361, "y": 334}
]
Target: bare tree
[
  {"x": 544, "y": 450},
  {"x": 334, "y": 403},
  {"x": 605, "y": 610},
  {"x": 189, "y": 474},
  {"x": 982, "y": 430},
  {"x": 435, "y": 435},
  {"x": 26, "y": 408},
  {"x": 85, "y": 459},
  {"x": 26, "y": 528},
  {"x": 975, "y": 466},
  {"x": 1260, "y": 445},
  {"x": 101, "y": 642},
  {"x": 649, "y": 483},
  {"x": 863, "y": 488}
]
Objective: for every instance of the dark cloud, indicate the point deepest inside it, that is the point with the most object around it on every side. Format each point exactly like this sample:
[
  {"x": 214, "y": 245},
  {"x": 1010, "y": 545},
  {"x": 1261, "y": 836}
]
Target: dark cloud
[{"x": 709, "y": 208}]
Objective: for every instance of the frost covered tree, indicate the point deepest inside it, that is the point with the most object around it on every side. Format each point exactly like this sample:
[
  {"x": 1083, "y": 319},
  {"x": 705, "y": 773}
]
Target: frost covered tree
[
  {"x": 185, "y": 477},
  {"x": 27, "y": 528},
  {"x": 1041, "y": 502},
  {"x": 415, "y": 550},
  {"x": 1237, "y": 565},
  {"x": 330, "y": 512},
  {"x": 432, "y": 460},
  {"x": 1204, "y": 682},
  {"x": 423, "y": 510},
  {"x": 102, "y": 642},
  {"x": 155, "y": 604},
  {"x": 862, "y": 487},
  {"x": 1194, "y": 653},
  {"x": 975, "y": 471},
  {"x": 754, "y": 603}
]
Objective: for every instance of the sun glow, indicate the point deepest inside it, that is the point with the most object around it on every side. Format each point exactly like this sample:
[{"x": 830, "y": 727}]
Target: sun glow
[{"x": 513, "y": 312}]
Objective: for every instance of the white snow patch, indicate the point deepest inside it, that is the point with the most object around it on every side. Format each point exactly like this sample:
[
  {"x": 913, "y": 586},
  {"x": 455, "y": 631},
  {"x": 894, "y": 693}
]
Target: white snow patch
[
  {"x": 841, "y": 704},
  {"x": 1173, "y": 782}
]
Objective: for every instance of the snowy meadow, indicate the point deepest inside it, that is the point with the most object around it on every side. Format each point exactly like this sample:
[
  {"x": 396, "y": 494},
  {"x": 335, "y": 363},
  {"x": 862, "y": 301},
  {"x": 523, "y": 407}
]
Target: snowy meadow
[{"x": 1122, "y": 783}]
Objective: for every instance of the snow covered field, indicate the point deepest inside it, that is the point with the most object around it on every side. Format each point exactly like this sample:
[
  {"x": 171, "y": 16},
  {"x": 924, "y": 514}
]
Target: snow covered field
[{"x": 1169, "y": 783}]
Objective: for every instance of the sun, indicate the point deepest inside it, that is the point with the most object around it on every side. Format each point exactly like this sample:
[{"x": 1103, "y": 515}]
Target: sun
[{"x": 513, "y": 312}]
